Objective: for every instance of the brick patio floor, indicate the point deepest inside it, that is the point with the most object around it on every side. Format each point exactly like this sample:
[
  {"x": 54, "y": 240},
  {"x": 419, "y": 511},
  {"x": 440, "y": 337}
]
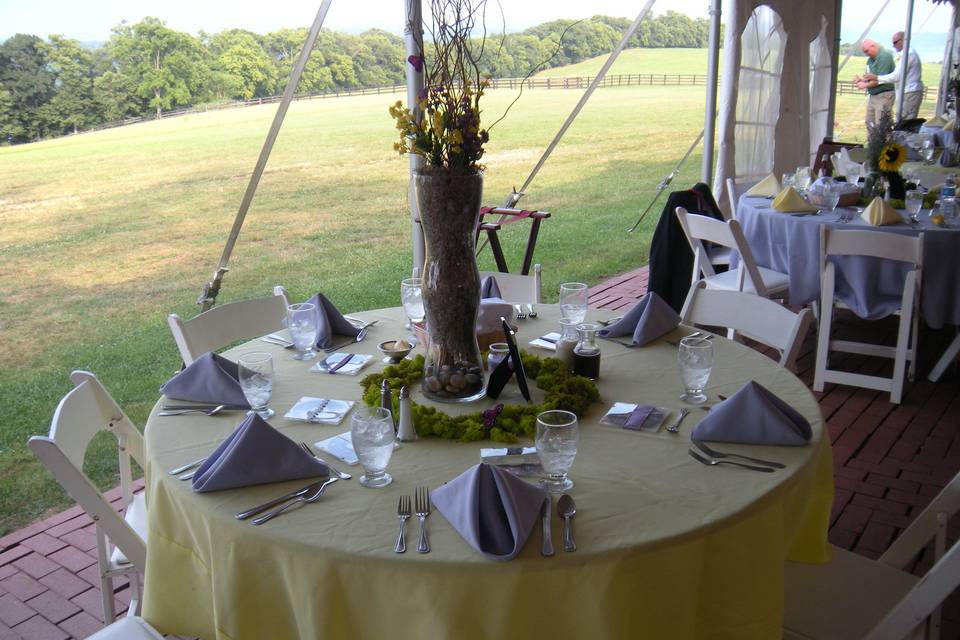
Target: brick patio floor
[{"x": 889, "y": 461}]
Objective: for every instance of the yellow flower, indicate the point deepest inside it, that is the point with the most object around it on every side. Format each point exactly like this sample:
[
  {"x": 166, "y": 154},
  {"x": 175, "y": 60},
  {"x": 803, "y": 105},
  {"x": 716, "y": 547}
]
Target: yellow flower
[
  {"x": 454, "y": 137},
  {"x": 437, "y": 124},
  {"x": 891, "y": 157}
]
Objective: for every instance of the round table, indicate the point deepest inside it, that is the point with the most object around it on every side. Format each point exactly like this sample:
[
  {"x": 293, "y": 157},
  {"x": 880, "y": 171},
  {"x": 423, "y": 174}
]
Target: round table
[
  {"x": 871, "y": 287},
  {"x": 667, "y": 547}
]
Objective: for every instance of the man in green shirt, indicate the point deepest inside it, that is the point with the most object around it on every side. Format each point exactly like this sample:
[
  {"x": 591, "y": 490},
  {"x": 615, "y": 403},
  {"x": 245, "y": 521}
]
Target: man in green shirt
[{"x": 881, "y": 94}]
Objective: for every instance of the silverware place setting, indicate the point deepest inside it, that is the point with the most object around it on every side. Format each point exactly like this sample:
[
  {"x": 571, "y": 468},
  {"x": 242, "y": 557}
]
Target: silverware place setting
[
  {"x": 519, "y": 314},
  {"x": 403, "y": 514},
  {"x": 566, "y": 509},
  {"x": 343, "y": 475},
  {"x": 675, "y": 425},
  {"x": 187, "y": 467},
  {"x": 531, "y": 311},
  {"x": 304, "y": 498},
  {"x": 326, "y": 366},
  {"x": 546, "y": 544},
  {"x": 180, "y": 411},
  {"x": 713, "y": 453},
  {"x": 422, "y": 509},
  {"x": 712, "y": 463},
  {"x": 359, "y": 338}
]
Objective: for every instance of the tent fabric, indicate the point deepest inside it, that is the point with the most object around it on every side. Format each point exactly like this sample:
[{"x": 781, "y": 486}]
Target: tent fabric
[{"x": 774, "y": 86}]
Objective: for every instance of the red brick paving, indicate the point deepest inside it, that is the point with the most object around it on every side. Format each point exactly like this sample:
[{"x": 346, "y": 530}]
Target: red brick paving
[{"x": 889, "y": 461}]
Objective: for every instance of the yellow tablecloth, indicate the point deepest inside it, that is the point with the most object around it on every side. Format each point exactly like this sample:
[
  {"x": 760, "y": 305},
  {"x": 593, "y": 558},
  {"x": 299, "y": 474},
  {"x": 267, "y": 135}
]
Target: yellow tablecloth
[{"x": 667, "y": 547}]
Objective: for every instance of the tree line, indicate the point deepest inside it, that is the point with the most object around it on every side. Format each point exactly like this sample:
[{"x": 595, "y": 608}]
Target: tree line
[{"x": 55, "y": 86}]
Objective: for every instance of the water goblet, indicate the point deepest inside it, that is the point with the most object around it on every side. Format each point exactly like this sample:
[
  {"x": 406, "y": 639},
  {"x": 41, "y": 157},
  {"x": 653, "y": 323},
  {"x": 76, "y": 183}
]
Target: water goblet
[
  {"x": 411, "y": 297},
  {"x": 927, "y": 150},
  {"x": 831, "y": 195},
  {"x": 256, "y": 381},
  {"x": 787, "y": 180},
  {"x": 802, "y": 179},
  {"x": 573, "y": 301},
  {"x": 914, "y": 202},
  {"x": 302, "y": 324},
  {"x": 695, "y": 357},
  {"x": 557, "y": 437},
  {"x": 371, "y": 430}
]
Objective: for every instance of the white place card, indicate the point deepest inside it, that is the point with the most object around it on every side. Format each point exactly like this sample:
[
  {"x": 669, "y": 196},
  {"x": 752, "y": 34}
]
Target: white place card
[
  {"x": 340, "y": 446},
  {"x": 546, "y": 344},
  {"x": 352, "y": 368},
  {"x": 319, "y": 410}
]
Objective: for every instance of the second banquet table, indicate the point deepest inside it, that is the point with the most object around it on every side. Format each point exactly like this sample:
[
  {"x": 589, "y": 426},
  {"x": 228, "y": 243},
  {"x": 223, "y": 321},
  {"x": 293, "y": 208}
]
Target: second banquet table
[
  {"x": 871, "y": 287},
  {"x": 667, "y": 547}
]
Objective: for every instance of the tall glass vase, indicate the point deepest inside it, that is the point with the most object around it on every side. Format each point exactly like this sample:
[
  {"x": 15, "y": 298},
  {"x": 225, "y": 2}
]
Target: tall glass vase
[{"x": 449, "y": 206}]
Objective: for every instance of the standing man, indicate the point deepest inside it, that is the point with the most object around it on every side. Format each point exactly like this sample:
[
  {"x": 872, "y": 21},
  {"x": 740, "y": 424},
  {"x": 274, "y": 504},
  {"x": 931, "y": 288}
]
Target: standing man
[
  {"x": 913, "y": 92},
  {"x": 881, "y": 93}
]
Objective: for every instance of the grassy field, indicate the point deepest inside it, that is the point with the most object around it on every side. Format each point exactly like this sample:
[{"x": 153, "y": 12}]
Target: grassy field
[{"x": 106, "y": 233}]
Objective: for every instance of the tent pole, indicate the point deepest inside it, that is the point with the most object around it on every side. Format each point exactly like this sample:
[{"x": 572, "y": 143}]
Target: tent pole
[
  {"x": 947, "y": 65},
  {"x": 413, "y": 46},
  {"x": 210, "y": 290},
  {"x": 710, "y": 115},
  {"x": 834, "y": 63},
  {"x": 904, "y": 61}
]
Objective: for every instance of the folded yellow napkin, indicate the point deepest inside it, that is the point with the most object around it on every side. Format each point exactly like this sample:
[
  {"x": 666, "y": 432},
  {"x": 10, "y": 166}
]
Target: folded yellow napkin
[
  {"x": 950, "y": 125},
  {"x": 789, "y": 201},
  {"x": 880, "y": 213},
  {"x": 766, "y": 188},
  {"x": 935, "y": 121}
]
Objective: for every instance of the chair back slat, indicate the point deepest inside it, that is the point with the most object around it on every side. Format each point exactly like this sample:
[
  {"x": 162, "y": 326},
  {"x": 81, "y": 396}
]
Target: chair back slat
[
  {"x": 226, "y": 324},
  {"x": 516, "y": 288},
  {"x": 877, "y": 244}
]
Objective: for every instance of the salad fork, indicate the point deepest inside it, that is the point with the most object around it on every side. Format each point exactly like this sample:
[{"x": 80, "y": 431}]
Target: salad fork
[
  {"x": 719, "y": 454},
  {"x": 520, "y": 315},
  {"x": 403, "y": 513},
  {"x": 422, "y": 498},
  {"x": 712, "y": 463},
  {"x": 531, "y": 311}
]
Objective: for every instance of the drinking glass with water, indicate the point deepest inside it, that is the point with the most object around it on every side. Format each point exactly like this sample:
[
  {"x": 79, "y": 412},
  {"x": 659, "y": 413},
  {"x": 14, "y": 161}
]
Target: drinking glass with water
[
  {"x": 256, "y": 381},
  {"x": 557, "y": 438},
  {"x": 371, "y": 430},
  {"x": 302, "y": 324},
  {"x": 411, "y": 297},
  {"x": 695, "y": 358},
  {"x": 573, "y": 301}
]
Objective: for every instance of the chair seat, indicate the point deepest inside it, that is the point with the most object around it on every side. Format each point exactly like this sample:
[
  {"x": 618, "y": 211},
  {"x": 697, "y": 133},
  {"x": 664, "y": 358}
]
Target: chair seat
[
  {"x": 127, "y": 628},
  {"x": 774, "y": 281},
  {"x": 136, "y": 517},
  {"x": 842, "y": 598}
]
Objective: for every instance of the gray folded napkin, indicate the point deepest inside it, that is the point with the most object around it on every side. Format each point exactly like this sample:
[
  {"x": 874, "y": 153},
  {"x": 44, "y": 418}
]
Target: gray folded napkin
[
  {"x": 209, "y": 378},
  {"x": 648, "y": 320},
  {"x": 255, "y": 453},
  {"x": 753, "y": 415},
  {"x": 330, "y": 321},
  {"x": 492, "y": 509},
  {"x": 489, "y": 288}
]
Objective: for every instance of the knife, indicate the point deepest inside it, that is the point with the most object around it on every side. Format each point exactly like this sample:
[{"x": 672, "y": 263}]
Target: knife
[
  {"x": 342, "y": 362},
  {"x": 200, "y": 407},
  {"x": 243, "y": 515},
  {"x": 546, "y": 549}
]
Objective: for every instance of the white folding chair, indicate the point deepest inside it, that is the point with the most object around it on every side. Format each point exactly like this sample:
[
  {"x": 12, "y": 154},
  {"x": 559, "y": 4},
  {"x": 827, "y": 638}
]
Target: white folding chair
[
  {"x": 516, "y": 288},
  {"x": 225, "y": 324},
  {"x": 129, "y": 627},
  {"x": 852, "y": 596},
  {"x": 758, "y": 318},
  {"x": 878, "y": 244},
  {"x": 121, "y": 540},
  {"x": 747, "y": 277},
  {"x": 732, "y": 197}
]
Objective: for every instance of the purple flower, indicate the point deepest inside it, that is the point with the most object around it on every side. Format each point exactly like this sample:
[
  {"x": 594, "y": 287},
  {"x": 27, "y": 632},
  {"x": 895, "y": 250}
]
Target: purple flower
[{"x": 417, "y": 62}]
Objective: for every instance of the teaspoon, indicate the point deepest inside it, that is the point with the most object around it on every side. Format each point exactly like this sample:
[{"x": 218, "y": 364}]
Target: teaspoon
[{"x": 566, "y": 509}]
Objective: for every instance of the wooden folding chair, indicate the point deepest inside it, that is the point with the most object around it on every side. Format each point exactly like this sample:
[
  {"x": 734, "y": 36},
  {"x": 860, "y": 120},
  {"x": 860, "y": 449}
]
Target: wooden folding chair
[
  {"x": 877, "y": 244},
  {"x": 225, "y": 324},
  {"x": 121, "y": 540}
]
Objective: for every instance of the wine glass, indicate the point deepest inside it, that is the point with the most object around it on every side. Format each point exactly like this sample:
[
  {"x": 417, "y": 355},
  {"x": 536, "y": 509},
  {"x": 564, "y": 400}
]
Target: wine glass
[
  {"x": 787, "y": 180},
  {"x": 558, "y": 435},
  {"x": 256, "y": 381},
  {"x": 831, "y": 194},
  {"x": 573, "y": 301},
  {"x": 411, "y": 296},
  {"x": 802, "y": 179},
  {"x": 914, "y": 202},
  {"x": 302, "y": 324},
  {"x": 371, "y": 430},
  {"x": 927, "y": 149},
  {"x": 695, "y": 358}
]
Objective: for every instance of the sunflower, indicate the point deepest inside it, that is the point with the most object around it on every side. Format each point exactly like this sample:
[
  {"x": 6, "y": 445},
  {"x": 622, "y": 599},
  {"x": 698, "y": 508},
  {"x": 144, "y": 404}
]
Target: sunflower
[{"x": 891, "y": 157}]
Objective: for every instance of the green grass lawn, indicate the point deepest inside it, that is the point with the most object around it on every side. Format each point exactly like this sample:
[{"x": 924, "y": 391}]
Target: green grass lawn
[{"x": 106, "y": 233}]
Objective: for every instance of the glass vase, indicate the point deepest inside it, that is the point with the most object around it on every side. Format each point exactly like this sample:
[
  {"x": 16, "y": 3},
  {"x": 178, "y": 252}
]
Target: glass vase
[
  {"x": 874, "y": 185},
  {"x": 449, "y": 206}
]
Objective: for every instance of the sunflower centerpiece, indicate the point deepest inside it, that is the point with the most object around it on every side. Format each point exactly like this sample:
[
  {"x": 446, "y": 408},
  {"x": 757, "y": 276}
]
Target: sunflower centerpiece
[{"x": 885, "y": 157}]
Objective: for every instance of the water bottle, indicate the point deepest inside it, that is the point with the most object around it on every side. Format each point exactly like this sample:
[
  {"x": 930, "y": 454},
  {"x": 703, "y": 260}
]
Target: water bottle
[{"x": 948, "y": 196}]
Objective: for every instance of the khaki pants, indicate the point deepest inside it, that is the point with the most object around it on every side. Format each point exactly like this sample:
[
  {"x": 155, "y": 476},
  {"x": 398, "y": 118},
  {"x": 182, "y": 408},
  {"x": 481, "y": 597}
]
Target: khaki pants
[
  {"x": 877, "y": 103},
  {"x": 911, "y": 104}
]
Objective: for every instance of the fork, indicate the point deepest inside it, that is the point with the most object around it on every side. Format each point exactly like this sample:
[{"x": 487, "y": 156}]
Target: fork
[
  {"x": 719, "y": 454},
  {"x": 305, "y": 499},
  {"x": 519, "y": 312},
  {"x": 403, "y": 512},
  {"x": 422, "y": 498},
  {"x": 531, "y": 311},
  {"x": 713, "y": 463},
  {"x": 340, "y": 474}
]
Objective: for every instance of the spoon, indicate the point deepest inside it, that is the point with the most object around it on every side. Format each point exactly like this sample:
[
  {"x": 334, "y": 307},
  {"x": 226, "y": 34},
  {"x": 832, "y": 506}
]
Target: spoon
[
  {"x": 566, "y": 509},
  {"x": 304, "y": 499}
]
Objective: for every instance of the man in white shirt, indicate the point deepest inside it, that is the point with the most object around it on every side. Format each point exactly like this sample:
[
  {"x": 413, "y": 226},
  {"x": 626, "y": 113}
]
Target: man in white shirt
[{"x": 913, "y": 92}]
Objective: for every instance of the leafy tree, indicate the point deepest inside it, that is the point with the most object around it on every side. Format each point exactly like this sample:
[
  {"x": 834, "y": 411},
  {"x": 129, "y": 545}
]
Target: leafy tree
[
  {"x": 167, "y": 67},
  {"x": 72, "y": 107},
  {"x": 28, "y": 83},
  {"x": 241, "y": 63},
  {"x": 115, "y": 97}
]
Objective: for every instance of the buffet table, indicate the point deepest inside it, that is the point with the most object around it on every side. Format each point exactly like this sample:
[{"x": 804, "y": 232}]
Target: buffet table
[
  {"x": 870, "y": 287},
  {"x": 667, "y": 547}
]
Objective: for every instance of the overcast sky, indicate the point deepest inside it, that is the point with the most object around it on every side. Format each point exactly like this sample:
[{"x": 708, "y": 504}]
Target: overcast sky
[{"x": 91, "y": 20}]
